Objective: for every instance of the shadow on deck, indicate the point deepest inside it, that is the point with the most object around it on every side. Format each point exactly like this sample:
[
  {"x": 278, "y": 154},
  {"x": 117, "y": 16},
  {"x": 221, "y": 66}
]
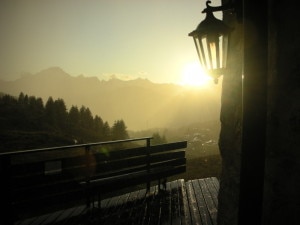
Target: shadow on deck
[{"x": 190, "y": 202}]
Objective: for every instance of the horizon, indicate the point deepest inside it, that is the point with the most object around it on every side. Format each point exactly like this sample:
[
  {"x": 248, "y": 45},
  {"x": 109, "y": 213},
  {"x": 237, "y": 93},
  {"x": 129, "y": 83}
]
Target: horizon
[
  {"x": 141, "y": 104},
  {"x": 120, "y": 77}
]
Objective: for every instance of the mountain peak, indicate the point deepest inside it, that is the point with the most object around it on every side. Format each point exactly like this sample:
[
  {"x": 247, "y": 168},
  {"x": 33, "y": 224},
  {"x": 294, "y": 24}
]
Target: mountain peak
[{"x": 53, "y": 71}]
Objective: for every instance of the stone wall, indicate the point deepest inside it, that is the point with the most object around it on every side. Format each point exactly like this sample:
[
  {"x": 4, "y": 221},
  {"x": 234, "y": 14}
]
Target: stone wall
[
  {"x": 282, "y": 172},
  {"x": 231, "y": 121},
  {"x": 282, "y": 169}
]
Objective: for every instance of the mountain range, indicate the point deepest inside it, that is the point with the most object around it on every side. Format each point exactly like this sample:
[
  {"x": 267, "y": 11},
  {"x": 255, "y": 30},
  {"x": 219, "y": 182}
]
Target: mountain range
[{"x": 141, "y": 103}]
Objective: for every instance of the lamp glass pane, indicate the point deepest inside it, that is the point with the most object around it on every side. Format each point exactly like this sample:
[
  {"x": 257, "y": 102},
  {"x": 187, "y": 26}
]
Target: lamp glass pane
[
  {"x": 218, "y": 52},
  {"x": 199, "y": 49},
  {"x": 206, "y": 53},
  {"x": 213, "y": 52},
  {"x": 203, "y": 52},
  {"x": 221, "y": 52},
  {"x": 224, "y": 50}
]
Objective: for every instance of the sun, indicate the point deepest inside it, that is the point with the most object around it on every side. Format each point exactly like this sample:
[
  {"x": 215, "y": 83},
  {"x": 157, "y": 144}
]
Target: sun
[{"x": 193, "y": 75}]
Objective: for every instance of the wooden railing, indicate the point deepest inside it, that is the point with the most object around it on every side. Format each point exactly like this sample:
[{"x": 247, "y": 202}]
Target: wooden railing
[
  {"x": 34, "y": 181},
  {"x": 19, "y": 169}
]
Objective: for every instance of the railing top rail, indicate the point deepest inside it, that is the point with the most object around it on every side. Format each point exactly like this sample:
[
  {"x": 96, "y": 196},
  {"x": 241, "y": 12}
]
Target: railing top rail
[{"x": 73, "y": 146}]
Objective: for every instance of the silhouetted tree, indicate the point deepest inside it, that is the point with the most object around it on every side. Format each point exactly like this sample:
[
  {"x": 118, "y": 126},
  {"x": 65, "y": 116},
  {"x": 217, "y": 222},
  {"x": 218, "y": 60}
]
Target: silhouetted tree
[
  {"x": 50, "y": 113},
  {"x": 157, "y": 139},
  {"x": 73, "y": 122},
  {"x": 86, "y": 117},
  {"x": 9, "y": 112},
  {"x": 60, "y": 111},
  {"x": 106, "y": 132},
  {"x": 98, "y": 126},
  {"x": 34, "y": 112},
  {"x": 21, "y": 98},
  {"x": 119, "y": 130}
]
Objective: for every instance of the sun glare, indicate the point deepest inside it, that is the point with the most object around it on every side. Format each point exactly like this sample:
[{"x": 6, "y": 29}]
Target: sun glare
[{"x": 193, "y": 75}]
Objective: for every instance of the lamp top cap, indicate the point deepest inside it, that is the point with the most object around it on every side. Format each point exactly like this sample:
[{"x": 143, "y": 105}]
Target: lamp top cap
[{"x": 211, "y": 25}]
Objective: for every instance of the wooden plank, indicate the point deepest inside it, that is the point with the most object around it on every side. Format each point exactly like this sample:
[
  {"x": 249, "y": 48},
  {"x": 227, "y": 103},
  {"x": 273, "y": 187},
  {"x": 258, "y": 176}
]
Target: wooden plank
[
  {"x": 131, "y": 206},
  {"x": 106, "y": 213},
  {"x": 48, "y": 218},
  {"x": 120, "y": 154},
  {"x": 138, "y": 212},
  {"x": 180, "y": 200},
  {"x": 122, "y": 207},
  {"x": 186, "y": 209},
  {"x": 169, "y": 163},
  {"x": 210, "y": 205},
  {"x": 150, "y": 198},
  {"x": 103, "y": 210},
  {"x": 176, "y": 220},
  {"x": 51, "y": 217},
  {"x": 195, "y": 215},
  {"x": 168, "y": 147},
  {"x": 111, "y": 174},
  {"x": 203, "y": 211},
  {"x": 72, "y": 216},
  {"x": 118, "y": 209},
  {"x": 166, "y": 216},
  {"x": 27, "y": 221},
  {"x": 157, "y": 213},
  {"x": 143, "y": 209},
  {"x": 165, "y": 156},
  {"x": 120, "y": 164},
  {"x": 39, "y": 220},
  {"x": 155, "y": 207},
  {"x": 69, "y": 214},
  {"x": 104, "y": 203},
  {"x": 216, "y": 183},
  {"x": 213, "y": 191},
  {"x": 144, "y": 220}
]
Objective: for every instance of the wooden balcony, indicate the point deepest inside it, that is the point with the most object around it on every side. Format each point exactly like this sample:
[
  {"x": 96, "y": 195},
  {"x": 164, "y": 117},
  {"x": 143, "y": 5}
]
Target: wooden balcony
[
  {"x": 43, "y": 186},
  {"x": 182, "y": 202}
]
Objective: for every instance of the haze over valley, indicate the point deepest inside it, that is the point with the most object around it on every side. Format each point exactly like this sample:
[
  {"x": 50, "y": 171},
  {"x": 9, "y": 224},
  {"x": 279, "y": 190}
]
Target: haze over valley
[{"x": 140, "y": 103}]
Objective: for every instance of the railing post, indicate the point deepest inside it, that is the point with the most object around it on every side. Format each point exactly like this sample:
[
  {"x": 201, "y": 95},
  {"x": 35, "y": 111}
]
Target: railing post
[
  {"x": 6, "y": 212},
  {"x": 148, "y": 162},
  {"x": 87, "y": 175}
]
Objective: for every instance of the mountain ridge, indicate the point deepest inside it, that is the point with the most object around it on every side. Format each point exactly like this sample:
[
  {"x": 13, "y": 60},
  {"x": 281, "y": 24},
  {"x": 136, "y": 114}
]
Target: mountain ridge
[{"x": 139, "y": 102}]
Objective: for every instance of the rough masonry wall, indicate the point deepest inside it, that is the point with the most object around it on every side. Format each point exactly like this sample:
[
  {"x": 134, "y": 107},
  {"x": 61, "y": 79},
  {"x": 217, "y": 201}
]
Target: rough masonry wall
[
  {"x": 282, "y": 173},
  {"x": 282, "y": 169},
  {"x": 230, "y": 135}
]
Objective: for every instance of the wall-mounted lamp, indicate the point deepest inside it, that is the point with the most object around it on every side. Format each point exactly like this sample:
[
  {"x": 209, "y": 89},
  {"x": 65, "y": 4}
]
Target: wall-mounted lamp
[{"x": 211, "y": 41}]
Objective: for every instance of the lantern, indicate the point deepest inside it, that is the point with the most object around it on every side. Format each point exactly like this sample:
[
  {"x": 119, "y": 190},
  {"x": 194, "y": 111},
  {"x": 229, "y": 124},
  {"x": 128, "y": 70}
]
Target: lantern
[{"x": 211, "y": 41}]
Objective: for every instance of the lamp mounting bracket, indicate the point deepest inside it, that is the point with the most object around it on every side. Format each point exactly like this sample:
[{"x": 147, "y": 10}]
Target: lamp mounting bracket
[{"x": 226, "y": 7}]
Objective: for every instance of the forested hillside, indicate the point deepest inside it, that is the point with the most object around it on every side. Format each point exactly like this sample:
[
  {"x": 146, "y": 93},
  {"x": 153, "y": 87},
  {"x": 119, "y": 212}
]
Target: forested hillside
[{"x": 26, "y": 122}]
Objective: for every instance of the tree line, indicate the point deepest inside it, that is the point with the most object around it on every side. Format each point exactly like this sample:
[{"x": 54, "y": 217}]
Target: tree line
[{"x": 29, "y": 114}]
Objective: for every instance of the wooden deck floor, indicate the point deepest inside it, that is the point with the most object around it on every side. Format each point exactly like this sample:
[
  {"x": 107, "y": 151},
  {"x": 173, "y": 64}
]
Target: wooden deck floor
[{"x": 191, "y": 202}]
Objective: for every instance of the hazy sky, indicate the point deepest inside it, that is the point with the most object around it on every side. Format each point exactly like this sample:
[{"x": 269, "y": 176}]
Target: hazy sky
[{"x": 135, "y": 38}]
